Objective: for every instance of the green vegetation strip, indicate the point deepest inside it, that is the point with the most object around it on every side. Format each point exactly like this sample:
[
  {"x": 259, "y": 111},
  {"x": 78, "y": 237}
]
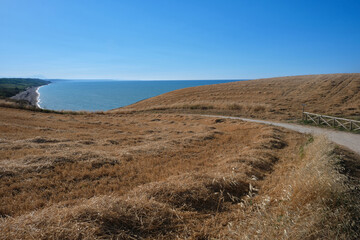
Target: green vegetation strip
[{"x": 11, "y": 86}]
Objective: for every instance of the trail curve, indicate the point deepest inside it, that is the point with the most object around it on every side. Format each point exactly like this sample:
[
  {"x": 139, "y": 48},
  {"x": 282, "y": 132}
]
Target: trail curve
[{"x": 346, "y": 139}]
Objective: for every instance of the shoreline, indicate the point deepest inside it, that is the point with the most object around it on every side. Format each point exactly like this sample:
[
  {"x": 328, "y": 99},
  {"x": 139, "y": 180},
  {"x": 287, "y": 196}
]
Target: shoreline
[
  {"x": 31, "y": 95},
  {"x": 38, "y": 97}
]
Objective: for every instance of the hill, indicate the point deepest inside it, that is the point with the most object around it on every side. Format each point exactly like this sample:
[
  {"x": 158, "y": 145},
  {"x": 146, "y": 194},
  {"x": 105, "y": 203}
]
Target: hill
[
  {"x": 11, "y": 86},
  {"x": 140, "y": 174},
  {"x": 273, "y": 98}
]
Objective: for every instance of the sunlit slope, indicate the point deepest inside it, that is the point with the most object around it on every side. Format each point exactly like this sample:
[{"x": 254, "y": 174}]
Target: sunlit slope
[
  {"x": 272, "y": 98},
  {"x": 169, "y": 176}
]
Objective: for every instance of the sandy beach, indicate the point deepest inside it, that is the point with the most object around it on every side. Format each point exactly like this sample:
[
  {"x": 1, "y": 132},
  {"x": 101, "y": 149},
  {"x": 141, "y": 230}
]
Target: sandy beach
[{"x": 31, "y": 95}]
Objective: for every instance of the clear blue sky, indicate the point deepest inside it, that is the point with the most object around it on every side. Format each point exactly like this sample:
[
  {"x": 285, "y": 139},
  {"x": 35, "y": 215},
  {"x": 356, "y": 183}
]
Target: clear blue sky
[{"x": 178, "y": 39}]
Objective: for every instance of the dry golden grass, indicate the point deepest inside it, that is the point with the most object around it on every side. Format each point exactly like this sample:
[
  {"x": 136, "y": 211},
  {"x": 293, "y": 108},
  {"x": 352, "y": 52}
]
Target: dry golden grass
[
  {"x": 304, "y": 198},
  {"x": 273, "y": 98},
  {"x": 165, "y": 171},
  {"x": 170, "y": 176},
  {"x": 50, "y": 158}
]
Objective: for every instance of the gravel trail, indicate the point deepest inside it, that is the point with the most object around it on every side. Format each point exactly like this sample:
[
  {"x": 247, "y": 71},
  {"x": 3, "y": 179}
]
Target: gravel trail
[{"x": 346, "y": 139}]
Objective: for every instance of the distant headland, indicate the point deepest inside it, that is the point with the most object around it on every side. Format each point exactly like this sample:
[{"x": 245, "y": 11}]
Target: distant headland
[{"x": 24, "y": 89}]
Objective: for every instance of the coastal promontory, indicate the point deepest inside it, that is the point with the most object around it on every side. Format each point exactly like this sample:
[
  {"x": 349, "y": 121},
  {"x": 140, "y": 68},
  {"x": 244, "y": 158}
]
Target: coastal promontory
[{"x": 21, "y": 88}]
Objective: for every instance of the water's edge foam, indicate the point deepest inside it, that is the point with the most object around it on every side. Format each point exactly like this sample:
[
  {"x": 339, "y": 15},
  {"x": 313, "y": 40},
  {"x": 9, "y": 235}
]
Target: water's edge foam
[{"x": 38, "y": 97}]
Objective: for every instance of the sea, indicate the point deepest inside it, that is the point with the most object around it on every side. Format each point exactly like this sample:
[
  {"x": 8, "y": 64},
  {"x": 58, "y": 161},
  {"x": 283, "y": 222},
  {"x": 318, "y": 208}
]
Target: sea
[{"x": 102, "y": 95}]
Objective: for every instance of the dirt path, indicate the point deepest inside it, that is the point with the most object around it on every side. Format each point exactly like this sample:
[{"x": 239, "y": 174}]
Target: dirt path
[{"x": 349, "y": 140}]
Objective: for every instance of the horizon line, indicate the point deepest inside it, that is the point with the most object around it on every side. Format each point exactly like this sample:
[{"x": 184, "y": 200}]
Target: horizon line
[{"x": 199, "y": 79}]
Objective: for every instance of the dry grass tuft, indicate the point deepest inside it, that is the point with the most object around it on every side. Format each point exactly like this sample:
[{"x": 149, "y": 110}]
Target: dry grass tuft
[
  {"x": 198, "y": 192},
  {"x": 304, "y": 198},
  {"x": 99, "y": 217}
]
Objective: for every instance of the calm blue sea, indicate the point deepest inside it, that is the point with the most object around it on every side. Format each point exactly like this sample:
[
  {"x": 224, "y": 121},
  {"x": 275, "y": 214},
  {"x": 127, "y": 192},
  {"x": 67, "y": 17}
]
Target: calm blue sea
[{"x": 98, "y": 95}]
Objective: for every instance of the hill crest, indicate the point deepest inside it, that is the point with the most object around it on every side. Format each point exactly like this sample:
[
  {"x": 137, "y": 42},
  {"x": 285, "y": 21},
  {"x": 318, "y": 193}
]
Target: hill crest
[{"x": 271, "y": 98}]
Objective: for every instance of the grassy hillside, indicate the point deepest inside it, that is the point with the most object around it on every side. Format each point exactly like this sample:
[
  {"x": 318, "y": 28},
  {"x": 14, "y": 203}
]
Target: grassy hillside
[
  {"x": 169, "y": 176},
  {"x": 273, "y": 98},
  {"x": 139, "y": 173},
  {"x": 11, "y": 86}
]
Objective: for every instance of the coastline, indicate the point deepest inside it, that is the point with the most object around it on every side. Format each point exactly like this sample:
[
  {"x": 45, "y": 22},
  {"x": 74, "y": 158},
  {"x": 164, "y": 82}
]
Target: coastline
[
  {"x": 31, "y": 95},
  {"x": 38, "y": 97}
]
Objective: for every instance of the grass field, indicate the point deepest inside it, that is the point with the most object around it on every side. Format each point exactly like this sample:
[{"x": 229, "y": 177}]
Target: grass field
[
  {"x": 273, "y": 98},
  {"x": 153, "y": 173},
  {"x": 167, "y": 176}
]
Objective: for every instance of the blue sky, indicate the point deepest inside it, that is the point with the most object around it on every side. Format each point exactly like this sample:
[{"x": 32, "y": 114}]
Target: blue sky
[{"x": 178, "y": 39}]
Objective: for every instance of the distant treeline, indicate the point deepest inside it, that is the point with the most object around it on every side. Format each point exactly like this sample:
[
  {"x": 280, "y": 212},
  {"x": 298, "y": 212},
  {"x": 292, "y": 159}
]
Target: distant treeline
[{"x": 11, "y": 86}]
